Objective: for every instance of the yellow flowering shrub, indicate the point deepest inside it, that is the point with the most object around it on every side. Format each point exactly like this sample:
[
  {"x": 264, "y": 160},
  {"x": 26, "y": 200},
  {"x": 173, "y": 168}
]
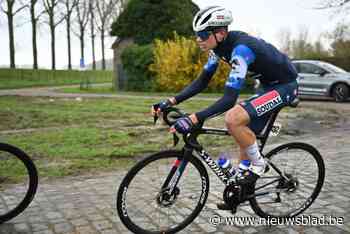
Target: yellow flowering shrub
[{"x": 179, "y": 61}]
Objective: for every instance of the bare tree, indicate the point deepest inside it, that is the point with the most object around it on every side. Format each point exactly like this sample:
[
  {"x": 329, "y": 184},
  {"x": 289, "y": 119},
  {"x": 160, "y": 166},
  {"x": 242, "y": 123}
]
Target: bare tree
[
  {"x": 326, "y": 4},
  {"x": 92, "y": 32},
  {"x": 51, "y": 8},
  {"x": 340, "y": 38},
  {"x": 301, "y": 46},
  {"x": 319, "y": 50},
  {"x": 69, "y": 5},
  {"x": 105, "y": 10},
  {"x": 339, "y": 8},
  {"x": 7, "y": 6},
  {"x": 34, "y": 21},
  {"x": 82, "y": 9},
  {"x": 285, "y": 40}
]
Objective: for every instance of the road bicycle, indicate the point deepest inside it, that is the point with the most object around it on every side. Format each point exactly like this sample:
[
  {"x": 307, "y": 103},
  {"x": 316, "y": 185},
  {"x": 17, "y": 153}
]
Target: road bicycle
[
  {"x": 18, "y": 181},
  {"x": 166, "y": 191}
]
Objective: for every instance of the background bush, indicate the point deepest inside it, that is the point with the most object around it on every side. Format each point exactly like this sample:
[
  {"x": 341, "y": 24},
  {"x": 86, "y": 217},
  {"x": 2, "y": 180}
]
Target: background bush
[
  {"x": 136, "y": 60},
  {"x": 145, "y": 20}
]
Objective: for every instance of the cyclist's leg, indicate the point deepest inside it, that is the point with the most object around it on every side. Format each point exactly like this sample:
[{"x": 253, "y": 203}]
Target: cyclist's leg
[
  {"x": 250, "y": 117},
  {"x": 237, "y": 120}
]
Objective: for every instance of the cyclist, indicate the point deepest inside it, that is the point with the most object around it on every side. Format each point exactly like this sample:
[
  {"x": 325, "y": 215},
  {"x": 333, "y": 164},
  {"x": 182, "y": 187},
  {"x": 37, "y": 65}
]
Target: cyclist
[{"x": 242, "y": 52}]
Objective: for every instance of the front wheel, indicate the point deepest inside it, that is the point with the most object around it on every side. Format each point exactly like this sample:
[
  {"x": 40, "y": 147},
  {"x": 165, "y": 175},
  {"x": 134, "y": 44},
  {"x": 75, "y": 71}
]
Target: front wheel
[
  {"x": 145, "y": 203},
  {"x": 293, "y": 182},
  {"x": 18, "y": 181}
]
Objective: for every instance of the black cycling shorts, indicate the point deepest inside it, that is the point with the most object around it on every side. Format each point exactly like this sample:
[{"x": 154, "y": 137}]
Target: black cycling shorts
[{"x": 263, "y": 104}]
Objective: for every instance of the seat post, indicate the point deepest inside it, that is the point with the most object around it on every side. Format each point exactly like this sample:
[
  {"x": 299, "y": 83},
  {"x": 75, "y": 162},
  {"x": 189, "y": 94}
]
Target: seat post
[{"x": 264, "y": 136}]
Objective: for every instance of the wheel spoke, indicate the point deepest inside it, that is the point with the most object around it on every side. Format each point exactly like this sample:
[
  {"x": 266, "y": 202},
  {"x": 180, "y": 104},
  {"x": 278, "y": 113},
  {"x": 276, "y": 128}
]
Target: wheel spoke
[
  {"x": 300, "y": 165},
  {"x": 164, "y": 211}
]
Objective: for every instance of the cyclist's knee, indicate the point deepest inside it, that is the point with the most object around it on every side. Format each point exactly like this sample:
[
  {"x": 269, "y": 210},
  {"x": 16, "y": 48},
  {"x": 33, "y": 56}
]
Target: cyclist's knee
[{"x": 236, "y": 117}]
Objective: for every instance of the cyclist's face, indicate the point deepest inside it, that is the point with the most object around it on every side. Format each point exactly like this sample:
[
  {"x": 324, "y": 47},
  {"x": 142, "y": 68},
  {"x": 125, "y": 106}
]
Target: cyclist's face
[{"x": 206, "y": 40}]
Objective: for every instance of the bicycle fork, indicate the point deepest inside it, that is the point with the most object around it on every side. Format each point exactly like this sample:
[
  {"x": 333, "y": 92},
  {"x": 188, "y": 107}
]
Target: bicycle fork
[{"x": 176, "y": 172}]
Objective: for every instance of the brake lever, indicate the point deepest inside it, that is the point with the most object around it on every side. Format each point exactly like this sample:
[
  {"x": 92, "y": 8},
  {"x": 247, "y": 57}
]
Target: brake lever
[
  {"x": 155, "y": 116},
  {"x": 176, "y": 139}
]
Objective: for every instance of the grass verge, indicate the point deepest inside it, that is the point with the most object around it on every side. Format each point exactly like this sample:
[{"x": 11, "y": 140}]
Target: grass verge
[{"x": 68, "y": 136}]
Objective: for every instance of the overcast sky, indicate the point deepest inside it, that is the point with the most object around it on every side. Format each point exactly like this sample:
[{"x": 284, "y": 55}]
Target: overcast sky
[{"x": 266, "y": 17}]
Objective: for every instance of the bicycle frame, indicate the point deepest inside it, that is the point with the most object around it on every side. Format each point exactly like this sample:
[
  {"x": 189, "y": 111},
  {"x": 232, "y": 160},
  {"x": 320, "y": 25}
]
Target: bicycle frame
[
  {"x": 192, "y": 191},
  {"x": 191, "y": 144}
]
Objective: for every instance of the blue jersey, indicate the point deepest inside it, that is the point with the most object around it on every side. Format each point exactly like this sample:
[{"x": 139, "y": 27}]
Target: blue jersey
[
  {"x": 246, "y": 53},
  {"x": 243, "y": 53}
]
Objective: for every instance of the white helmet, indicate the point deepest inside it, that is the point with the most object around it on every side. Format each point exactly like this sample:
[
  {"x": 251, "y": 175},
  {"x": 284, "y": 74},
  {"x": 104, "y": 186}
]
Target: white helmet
[{"x": 211, "y": 17}]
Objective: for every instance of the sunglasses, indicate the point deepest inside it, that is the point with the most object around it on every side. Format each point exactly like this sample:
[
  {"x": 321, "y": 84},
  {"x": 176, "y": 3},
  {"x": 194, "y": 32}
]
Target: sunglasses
[{"x": 204, "y": 35}]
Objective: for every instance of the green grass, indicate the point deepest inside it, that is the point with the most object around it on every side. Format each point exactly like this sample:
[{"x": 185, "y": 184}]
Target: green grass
[
  {"x": 21, "y": 78},
  {"x": 66, "y": 136},
  {"x": 108, "y": 89}
]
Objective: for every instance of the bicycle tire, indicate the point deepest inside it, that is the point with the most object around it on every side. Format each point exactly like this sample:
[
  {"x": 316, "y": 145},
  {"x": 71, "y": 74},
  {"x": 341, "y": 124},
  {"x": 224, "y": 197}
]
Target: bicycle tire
[
  {"x": 123, "y": 211},
  {"x": 320, "y": 179},
  {"x": 32, "y": 185}
]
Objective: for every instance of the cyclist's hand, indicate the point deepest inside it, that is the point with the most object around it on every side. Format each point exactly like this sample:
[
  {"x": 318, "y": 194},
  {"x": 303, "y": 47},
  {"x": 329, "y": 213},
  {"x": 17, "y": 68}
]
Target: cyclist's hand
[
  {"x": 160, "y": 107},
  {"x": 183, "y": 125}
]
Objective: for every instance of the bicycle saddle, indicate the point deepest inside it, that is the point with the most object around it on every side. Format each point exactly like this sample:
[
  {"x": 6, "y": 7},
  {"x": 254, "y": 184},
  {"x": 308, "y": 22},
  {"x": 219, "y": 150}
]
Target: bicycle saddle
[{"x": 294, "y": 103}]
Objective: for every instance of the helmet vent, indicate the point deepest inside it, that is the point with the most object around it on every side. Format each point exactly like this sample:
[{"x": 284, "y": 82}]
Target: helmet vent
[{"x": 206, "y": 19}]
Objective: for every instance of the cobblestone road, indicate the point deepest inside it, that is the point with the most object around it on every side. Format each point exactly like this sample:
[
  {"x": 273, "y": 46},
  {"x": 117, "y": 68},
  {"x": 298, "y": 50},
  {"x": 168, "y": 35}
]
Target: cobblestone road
[{"x": 87, "y": 204}]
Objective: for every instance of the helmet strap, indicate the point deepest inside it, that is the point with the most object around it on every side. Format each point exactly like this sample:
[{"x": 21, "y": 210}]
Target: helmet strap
[{"x": 217, "y": 42}]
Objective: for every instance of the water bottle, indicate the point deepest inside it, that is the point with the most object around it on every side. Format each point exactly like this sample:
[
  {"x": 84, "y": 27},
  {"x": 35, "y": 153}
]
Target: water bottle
[
  {"x": 228, "y": 168},
  {"x": 225, "y": 165}
]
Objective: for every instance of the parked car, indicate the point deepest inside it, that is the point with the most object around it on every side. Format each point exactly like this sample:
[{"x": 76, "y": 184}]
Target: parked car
[{"x": 319, "y": 78}]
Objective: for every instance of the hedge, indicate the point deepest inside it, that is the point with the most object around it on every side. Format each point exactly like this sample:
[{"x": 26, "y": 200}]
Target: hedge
[
  {"x": 136, "y": 60},
  {"x": 16, "y": 78}
]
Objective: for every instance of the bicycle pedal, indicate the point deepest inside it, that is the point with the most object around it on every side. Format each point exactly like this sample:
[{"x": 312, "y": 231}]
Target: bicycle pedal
[{"x": 223, "y": 206}]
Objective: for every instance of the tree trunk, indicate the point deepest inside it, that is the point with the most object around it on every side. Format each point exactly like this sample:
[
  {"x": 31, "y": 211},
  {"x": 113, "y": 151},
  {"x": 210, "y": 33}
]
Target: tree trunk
[
  {"x": 82, "y": 45},
  {"x": 11, "y": 40},
  {"x": 93, "y": 53},
  {"x": 69, "y": 44},
  {"x": 34, "y": 43},
  {"x": 103, "y": 50},
  {"x": 92, "y": 38},
  {"x": 53, "y": 52},
  {"x": 35, "y": 49}
]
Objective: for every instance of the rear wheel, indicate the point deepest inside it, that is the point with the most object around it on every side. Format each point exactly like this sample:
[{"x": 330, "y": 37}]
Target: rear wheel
[
  {"x": 144, "y": 207},
  {"x": 284, "y": 196},
  {"x": 340, "y": 92}
]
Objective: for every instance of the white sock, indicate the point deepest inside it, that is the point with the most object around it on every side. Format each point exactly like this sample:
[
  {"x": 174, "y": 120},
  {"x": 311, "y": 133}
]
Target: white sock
[{"x": 254, "y": 155}]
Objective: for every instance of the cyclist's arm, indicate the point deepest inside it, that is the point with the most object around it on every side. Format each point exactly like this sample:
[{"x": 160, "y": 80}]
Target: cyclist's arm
[
  {"x": 201, "y": 82},
  {"x": 242, "y": 56}
]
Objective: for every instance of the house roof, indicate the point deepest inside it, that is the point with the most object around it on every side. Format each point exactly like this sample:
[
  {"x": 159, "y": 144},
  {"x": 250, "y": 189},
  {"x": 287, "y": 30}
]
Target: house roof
[
  {"x": 116, "y": 43},
  {"x": 119, "y": 40}
]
